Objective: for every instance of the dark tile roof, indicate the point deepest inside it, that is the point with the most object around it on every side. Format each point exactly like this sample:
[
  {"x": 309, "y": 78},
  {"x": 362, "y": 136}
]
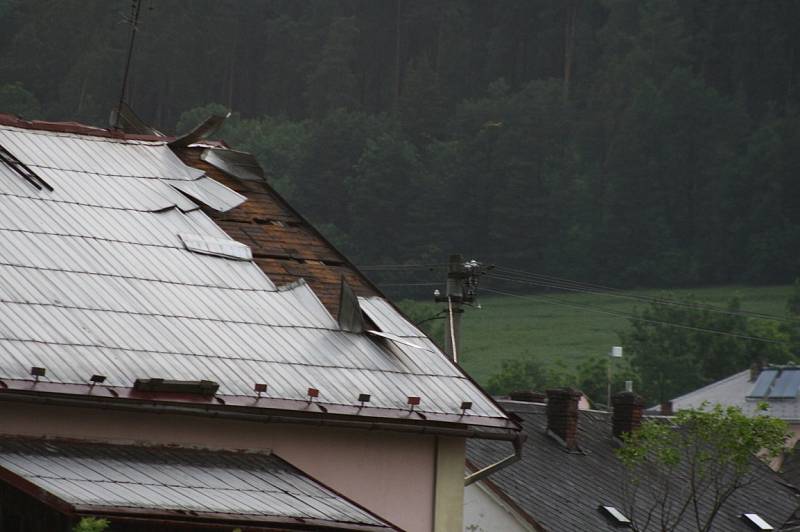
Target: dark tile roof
[
  {"x": 790, "y": 469},
  {"x": 561, "y": 491},
  {"x": 171, "y": 483}
]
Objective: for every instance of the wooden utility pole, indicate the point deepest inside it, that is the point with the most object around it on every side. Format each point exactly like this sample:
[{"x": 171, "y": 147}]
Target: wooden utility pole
[{"x": 462, "y": 283}]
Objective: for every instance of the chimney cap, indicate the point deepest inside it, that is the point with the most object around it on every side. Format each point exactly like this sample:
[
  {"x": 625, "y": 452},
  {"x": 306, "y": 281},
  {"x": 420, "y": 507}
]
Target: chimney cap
[
  {"x": 563, "y": 392},
  {"x": 627, "y": 398}
]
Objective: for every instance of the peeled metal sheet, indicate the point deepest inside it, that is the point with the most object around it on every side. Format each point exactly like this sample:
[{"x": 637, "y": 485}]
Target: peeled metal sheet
[
  {"x": 96, "y": 279},
  {"x": 397, "y": 339},
  {"x": 236, "y": 163},
  {"x": 389, "y": 320},
  {"x": 210, "y": 193},
  {"x": 218, "y": 247}
]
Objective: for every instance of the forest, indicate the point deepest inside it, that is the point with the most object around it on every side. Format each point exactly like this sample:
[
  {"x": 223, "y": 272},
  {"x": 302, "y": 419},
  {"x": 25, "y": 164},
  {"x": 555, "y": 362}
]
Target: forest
[{"x": 630, "y": 142}]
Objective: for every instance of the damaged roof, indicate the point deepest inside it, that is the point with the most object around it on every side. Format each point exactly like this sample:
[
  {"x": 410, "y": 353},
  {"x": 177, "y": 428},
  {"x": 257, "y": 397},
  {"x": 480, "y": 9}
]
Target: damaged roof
[
  {"x": 169, "y": 483},
  {"x": 120, "y": 271}
]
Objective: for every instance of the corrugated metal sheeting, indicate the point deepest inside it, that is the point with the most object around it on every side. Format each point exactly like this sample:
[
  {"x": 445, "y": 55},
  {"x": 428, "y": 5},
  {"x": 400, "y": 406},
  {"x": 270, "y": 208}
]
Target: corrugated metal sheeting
[
  {"x": 95, "y": 279},
  {"x": 115, "y": 478}
]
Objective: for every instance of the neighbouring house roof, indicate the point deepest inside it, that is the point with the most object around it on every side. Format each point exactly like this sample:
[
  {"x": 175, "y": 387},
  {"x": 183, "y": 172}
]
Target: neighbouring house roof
[
  {"x": 561, "y": 490},
  {"x": 740, "y": 391},
  {"x": 172, "y": 484},
  {"x": 115, "y": 267}
]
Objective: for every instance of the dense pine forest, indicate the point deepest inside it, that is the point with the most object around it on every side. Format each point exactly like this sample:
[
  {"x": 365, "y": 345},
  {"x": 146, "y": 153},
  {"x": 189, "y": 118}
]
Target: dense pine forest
[{"x": 629, "y": 142}]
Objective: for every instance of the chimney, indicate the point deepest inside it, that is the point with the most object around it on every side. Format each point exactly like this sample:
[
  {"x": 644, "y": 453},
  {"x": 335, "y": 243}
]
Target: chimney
[
  {"x": 666, "y": 408},
  {"x": 562, "y": 415},
  {"x": 627, "y": 415},
  {"x": 755, "y": 370},
  {"x": 528, "y": 396}
]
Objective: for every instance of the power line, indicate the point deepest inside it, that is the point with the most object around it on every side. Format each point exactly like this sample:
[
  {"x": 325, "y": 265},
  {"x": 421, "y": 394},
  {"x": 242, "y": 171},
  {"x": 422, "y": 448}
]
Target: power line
[
  {"x": 636, "y": 318},
  {"x": 534, "y": 279},
  {"x": 402, "y": 267},
  {"x": 409, "y": 284}
]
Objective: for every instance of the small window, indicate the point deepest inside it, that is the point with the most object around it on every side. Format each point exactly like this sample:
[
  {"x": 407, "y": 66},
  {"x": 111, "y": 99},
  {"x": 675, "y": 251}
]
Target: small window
[
  {"x": 615, "y": 516},
  {"x": 757, "y": 522}
]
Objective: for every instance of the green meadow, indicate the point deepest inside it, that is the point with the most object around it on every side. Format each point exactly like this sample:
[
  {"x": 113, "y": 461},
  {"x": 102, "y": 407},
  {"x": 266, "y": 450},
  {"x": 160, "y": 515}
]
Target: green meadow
[{"x": 560, "y": 326}]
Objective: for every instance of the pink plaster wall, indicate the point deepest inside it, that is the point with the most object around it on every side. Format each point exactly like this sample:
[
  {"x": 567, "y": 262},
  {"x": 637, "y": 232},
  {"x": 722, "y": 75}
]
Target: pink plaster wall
[{"x": 391, "y": 474}]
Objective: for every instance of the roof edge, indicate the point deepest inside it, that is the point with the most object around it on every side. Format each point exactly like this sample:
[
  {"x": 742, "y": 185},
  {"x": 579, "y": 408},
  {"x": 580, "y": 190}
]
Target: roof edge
[
  {"x": 342, "y": 417},
  {"x": 74, "y": 128}
]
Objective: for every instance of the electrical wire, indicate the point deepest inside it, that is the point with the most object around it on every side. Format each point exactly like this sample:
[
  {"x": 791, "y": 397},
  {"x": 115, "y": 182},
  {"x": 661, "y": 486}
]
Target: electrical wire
[
  {"x": 534, "y": 279},
  {"x": 410, "y": 284},
  {"x": 401, "y": 267},
  {"x": 634, "y": 317}
]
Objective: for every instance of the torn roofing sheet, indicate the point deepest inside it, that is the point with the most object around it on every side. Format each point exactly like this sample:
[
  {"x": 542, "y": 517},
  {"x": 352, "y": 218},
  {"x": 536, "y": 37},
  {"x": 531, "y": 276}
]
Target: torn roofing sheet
[
  {"x": 63, "y": 159},
  {"x": 96, "y": 279},
  {"x": 164, "y": 483}
]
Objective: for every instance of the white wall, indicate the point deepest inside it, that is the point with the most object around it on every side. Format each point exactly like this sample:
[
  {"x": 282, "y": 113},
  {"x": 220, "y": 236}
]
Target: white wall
[{"x": 485, "y": 512}]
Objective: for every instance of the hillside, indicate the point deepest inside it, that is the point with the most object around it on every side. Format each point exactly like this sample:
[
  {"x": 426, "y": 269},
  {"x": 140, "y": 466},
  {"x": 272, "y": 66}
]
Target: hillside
[{"x": 548, "y": 329}]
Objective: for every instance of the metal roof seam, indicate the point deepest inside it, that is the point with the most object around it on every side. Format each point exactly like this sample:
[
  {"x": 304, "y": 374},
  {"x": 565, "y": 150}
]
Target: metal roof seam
[
  {"x": 186, "y": 354},
  {"x": 133, "y": 277},
  {"x": 105, "y": 285}
]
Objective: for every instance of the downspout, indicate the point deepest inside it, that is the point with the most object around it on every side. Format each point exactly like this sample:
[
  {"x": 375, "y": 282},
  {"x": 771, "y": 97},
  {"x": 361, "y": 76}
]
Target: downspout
[{"x": 497, "y": 466}]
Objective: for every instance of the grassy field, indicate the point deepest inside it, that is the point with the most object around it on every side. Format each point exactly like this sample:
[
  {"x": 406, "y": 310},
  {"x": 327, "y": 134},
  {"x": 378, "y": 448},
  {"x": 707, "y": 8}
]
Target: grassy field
[{"x": 548, "y": 329}]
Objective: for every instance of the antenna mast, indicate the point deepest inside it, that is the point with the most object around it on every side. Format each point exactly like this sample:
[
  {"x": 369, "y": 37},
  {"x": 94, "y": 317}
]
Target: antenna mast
[{"x": 136, "y": 6}]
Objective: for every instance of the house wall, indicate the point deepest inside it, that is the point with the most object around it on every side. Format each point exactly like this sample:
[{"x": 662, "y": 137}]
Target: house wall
[
  {"x": 794, "y": 435},
  {"x": 393, "y": 474},
  {"x": 485, "y": 512}
]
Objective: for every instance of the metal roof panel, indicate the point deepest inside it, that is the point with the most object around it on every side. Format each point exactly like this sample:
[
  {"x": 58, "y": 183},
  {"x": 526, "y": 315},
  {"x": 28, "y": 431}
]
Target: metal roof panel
[
  {"x": 122, "y": 478},
  {"x": 94, "y": 279}
]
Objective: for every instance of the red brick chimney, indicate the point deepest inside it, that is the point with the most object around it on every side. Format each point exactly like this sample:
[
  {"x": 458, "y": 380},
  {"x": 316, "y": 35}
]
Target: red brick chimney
[
  {"x": 666, "y": 408},
  {"x": 562, "y": 414},
  {"x": 627, "y": 414}
]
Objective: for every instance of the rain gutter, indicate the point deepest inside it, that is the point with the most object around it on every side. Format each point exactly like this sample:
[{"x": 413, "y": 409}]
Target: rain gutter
[
  {"x": 316, "y": 420},
  {"x": 502, "y": 464}
]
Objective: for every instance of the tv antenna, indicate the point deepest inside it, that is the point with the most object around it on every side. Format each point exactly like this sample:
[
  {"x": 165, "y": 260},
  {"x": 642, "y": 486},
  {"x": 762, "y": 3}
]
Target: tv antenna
[{"x": 136, "y": 7}]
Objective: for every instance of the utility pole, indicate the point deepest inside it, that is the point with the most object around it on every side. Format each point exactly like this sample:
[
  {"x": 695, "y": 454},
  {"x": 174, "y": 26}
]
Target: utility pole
[{"x": 461, "y": 288}]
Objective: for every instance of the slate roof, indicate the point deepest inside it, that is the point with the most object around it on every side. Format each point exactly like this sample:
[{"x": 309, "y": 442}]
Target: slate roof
[
  {"x": 558, "y": 490},
  {"x": 734, "y": 391},
  {"x": 170, "y": 483},
  {"x": 97, "y": 277},
  {"x": 790, "y": 468}
]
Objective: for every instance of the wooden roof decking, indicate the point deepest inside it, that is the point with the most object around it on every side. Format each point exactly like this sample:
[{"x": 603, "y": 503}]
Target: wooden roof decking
[{"x": 284, "y": 244}]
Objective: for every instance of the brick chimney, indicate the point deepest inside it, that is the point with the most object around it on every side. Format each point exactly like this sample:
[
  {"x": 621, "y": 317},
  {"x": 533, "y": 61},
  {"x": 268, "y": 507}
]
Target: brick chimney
[
  {"x": 528, "y": 396},
  {"x": 562, "y": 414},
  {"x": 627, "y": 415},
  {"x": 666, "y": 408},
  {"x": 755, "y": 370}
]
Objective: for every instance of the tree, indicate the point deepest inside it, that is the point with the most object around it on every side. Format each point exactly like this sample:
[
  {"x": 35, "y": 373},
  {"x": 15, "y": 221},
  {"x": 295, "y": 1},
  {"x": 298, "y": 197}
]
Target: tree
[
  {"x": 332, "y": 84},
  {"x": 680, "y": 475},
  {"x": 15, "y": 99},
  {"x": 91, "y": 524},
  {"x": 680, "y": 345},
  {"x": 528, "y": 374}
]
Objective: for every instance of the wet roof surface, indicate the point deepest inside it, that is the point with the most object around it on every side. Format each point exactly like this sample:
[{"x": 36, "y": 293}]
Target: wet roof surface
[
  {"x": 737, "y": 390},
  {"x": 96, "y": 278},
  {"x": 560, "y": 490},
  {"x": 182, "y": 483}
]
